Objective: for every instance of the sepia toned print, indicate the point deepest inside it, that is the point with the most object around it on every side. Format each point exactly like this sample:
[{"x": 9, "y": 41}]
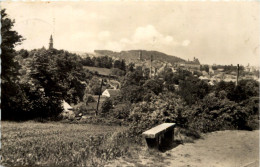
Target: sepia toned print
[{"x": 130, "y": 83}]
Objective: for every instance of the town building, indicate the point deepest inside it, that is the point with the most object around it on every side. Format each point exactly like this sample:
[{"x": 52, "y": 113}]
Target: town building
[
  {"x": 111, "y": 92},
  {"x": 190, "y": 65}
]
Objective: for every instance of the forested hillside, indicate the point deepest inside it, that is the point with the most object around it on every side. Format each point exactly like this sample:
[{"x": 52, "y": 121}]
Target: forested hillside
[{"x": 133, "y": 55}]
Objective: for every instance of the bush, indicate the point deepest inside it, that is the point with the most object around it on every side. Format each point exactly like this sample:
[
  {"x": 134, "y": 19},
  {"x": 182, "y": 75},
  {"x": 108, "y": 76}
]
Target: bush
[
  {"x": 31, "y": 103},
  {"x": 165, "y": 107},
  {"x": 153, "y": 85},
  {"x": 89, "y": 99},
  {"x": 81, "y": 108},
  {"x": 214, "y": 114},
  {"x": 106, "y": 106},
  {"x": 133, "y": 93},
  {"x": 118, "y": 72},
  {"x": 120, "y": 111}
]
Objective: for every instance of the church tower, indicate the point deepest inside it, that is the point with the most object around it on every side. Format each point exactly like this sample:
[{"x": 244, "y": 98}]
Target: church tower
[{"x": 51, "y": 43}]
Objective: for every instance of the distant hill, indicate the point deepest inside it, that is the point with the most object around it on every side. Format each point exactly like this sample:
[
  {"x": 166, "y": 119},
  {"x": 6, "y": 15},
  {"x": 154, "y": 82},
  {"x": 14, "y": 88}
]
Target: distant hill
[{"x": 133, "y": 56}]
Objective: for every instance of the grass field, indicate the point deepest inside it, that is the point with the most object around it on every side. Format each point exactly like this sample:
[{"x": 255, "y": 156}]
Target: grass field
[
  {"x": 102, "y": 71},
  {"x": 58, "y": 144}
]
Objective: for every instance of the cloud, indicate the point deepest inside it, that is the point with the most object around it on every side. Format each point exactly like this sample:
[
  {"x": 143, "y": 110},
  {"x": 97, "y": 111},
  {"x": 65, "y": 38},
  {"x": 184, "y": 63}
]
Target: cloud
[
  {"x": 144, "y": 37},
  {"x": 104, "y": 35},
  {"x": 149, "y": 34},
  {"x": 185, "y": 43},
  {"x": 95, "y": 16},
  {"x": 168, "y": 38},
  {"x": 124, "y": 40}
]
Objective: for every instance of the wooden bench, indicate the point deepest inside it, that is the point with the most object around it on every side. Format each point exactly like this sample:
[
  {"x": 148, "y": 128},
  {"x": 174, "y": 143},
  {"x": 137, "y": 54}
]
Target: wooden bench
[{"x": 161, "y": 135}]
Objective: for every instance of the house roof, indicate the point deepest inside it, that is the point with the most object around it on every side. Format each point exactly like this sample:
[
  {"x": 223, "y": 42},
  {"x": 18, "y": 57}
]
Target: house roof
[
  {"x": 102, "y": 98},
  {"x": 66, "y": 106},
  {"x": 203, "y": 78},
  {"x": 113, "y": 92}
]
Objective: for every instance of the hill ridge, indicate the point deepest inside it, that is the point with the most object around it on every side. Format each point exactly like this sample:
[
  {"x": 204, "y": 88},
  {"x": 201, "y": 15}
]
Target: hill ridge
[{"x": 133, "y": 55}]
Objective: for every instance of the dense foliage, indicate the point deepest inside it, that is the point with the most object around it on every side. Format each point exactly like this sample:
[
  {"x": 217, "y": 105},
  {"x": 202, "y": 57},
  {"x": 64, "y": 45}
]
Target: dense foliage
[
  {"x": 11, "y": 94},
  {"x": 183, "y": 98},
  {"x": 59, "y": 74},
  {"x": 104, "y": 62},
  {"x": 34, "y": 83},
  {"x": 228, "y": 68}
]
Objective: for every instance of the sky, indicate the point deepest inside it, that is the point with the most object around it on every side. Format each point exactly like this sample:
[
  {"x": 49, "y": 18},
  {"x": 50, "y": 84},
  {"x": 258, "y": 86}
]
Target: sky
[{"x": 213, "y": 32}]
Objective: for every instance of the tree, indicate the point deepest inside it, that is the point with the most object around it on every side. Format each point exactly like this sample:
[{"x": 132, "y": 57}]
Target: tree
[
  {"x": 60, "y": 74},
  {"x": 130, "y": 67},
  {"x": 94, "y": 86},
  {"x": 244, "y": 90},
  {"x": 204, "y": 68},
  {"x": 107, "y": 105},
  {"x": 134, "y": 78},
  {"x": 24, "y": 53},
  {"x": 214, "y": 113},
  {"x": 133, "y": 93},
  {"x": 193, "y": 89},
  {"x": 117, "y": 64},
  {"x": 118, "y": 72},
  {"x": 153, "y": 85},
  {"x": 9, "y": 40},
  {"x": 11, "y": 93},
  {"x": 123, "y": 65},
  {"x": 87, "y": 61}
]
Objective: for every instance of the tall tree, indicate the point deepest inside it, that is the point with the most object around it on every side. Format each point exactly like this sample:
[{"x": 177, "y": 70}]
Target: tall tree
[
  {"x": 60, "y": 74},
  {"x": 9, "y": 77},
  {"x": 10, "y": 39}
]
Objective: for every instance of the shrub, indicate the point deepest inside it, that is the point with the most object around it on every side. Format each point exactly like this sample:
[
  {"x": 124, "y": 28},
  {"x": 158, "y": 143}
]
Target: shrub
[
  {"x": 214, "y": 114},
  {"x": 81, "y": 108},
  {"x": 121, "y": 111},
  {"x": 106, "y": 106},
  {"x": 89, "y": 99},
  {"x": 153, "y": 85},
  {"x": 165, "y": 107},
  {"x": 133, "y": 93},
  {"x": 118, "y": 72}
]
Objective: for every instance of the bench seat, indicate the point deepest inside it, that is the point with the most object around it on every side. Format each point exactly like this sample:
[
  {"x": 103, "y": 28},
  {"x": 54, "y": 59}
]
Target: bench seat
[
  {"x": 161, "y": 135},
  {"x": 158, "y": 130}
]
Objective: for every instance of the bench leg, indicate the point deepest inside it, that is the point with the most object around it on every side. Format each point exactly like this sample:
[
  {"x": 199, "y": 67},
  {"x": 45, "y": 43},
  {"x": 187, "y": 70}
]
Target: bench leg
[
  {"x": 152, "y": 143},
  {"x": 168, "y": 138}
]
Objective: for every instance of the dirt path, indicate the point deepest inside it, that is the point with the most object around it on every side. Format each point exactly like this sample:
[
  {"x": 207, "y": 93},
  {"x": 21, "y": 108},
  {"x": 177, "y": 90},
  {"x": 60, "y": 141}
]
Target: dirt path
[{"x": 217, "y": 149}]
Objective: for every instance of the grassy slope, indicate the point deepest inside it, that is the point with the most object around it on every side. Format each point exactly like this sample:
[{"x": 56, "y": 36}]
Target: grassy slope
[
  {"x": 53, "y": 144},
  {"x": 102, "y": 71}
]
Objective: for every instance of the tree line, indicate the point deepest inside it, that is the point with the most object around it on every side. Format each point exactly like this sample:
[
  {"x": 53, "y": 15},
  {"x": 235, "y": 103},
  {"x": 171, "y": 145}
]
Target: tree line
[{"x": 104, "y": 62}]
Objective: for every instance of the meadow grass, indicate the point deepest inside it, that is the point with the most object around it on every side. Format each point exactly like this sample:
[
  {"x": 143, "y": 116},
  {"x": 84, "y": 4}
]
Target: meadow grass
[
  {"x": 60, "y": 144},
  {"x": 102, "y": 71}
]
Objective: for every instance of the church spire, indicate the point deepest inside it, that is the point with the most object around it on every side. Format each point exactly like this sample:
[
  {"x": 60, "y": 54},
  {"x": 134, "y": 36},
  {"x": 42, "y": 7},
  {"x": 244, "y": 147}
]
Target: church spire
[{"x": 51, "y": 43}]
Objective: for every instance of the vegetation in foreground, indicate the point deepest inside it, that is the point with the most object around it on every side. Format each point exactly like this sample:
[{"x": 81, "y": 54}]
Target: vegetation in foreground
[
  {"x": 68, "y": 144},
  {"x": 60, "y": 144}
]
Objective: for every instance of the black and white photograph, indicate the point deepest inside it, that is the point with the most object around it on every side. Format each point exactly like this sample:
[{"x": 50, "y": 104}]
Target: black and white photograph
[{"x": 130, "y": 83}]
